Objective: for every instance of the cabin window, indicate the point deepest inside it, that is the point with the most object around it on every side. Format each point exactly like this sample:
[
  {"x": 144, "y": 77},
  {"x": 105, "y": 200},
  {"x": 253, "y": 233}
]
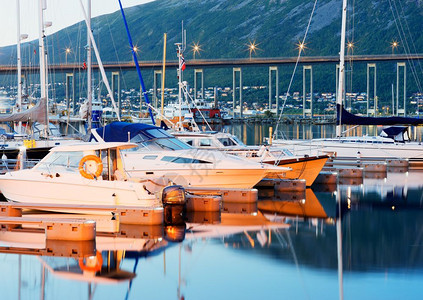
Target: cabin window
[
  {"x": 187, "y": 141},
  {"x": 238, "y": 141},
  {"x": 171, "y": 144},
  {"x": 181, "y": 144},
  {"x": 61, "y": 161},
  {"x": 227, "y": 142},
  {"x": 205, "y": 143},
  {"x": 157, "y": 133},
  {"x": 184, "y": 160},
  {"x": 139, "y": 138},
  {"x": 150, "y": 157}
]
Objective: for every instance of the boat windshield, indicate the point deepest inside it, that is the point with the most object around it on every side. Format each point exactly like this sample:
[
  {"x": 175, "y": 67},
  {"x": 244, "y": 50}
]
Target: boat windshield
[
  {"x": 238, "y": 141},
  {"x": 226, "y": 141},
  {"x": 160, "y": 144},
  {"x": 62, "y": 161}
]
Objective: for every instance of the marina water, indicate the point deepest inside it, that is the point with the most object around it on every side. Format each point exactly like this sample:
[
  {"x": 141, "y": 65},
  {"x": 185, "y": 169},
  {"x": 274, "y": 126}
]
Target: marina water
[{"x": 236, "y": 255}]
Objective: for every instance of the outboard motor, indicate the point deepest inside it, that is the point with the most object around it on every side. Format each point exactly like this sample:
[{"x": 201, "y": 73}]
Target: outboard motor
[{"x": 174, "y": 204}]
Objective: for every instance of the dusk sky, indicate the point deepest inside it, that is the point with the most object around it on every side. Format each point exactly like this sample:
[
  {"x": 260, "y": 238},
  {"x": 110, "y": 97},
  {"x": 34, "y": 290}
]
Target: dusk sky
[{"x": 61, "y": 13}]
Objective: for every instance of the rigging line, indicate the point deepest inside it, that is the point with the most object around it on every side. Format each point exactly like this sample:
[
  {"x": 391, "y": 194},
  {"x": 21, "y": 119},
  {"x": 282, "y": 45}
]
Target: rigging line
[
  {"x": 408, "y": 51},
  {"x": 100, "y": 64},
  {"x": 295, "y": 68},
  {"x": 189, "y": 96},
  {"x": 134, "y": 55},
  {"x": 412, "y": 40},
  {"x": 115, "y": 49},
  {"x": 404, "y": 41}
]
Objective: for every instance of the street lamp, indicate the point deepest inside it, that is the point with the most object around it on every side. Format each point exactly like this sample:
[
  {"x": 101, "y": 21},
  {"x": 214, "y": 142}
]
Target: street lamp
[
  {"x": 350, "y": 47},
  {"x": 252, "y": 47},
  {"x": 301, "y": 47},
  {"x": 196, "y": 49},
  {"x": 394, "y": 45},
  {"x": 67, "y": 51}
]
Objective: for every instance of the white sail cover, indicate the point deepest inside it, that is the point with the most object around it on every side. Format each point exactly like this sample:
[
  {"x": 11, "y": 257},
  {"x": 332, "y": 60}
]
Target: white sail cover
[{"x": 37, "y": 113}]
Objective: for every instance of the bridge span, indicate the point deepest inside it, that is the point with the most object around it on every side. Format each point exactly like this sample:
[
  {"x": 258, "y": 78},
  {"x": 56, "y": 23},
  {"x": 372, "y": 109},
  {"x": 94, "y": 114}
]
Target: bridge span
[{"x": 231, "y": 62}]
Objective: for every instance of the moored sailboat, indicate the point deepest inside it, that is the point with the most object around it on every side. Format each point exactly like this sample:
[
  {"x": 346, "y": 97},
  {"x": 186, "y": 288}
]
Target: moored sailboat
[{"x": 365, "y": 147}]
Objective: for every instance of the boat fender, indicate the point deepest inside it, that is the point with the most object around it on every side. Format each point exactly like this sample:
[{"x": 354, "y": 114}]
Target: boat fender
[
  {"x": 261, "y": 151},
  {"x": 87, "y": 174},
  {"x": 96, "y": 267}
]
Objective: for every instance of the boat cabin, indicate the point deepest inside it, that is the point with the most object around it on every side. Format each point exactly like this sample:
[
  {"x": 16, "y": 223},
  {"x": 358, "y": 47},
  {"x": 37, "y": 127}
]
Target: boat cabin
[
  {"x": 211, "y": 140},
  {"x": 91, "y": 160},
  {"x": 146, "y": 136}
]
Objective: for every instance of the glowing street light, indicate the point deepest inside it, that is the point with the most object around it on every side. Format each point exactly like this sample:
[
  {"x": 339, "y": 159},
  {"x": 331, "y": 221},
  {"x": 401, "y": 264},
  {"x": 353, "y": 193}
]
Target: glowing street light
[
  {"x": 252, "y": 47},
  {"x": 196, "y": 49},
  {"x": 67, "y": 51},
  {"x": 135, "y": 49},
  {"x": 301, "y": 47},
  {"x": 350, "y": 48},
  {"x": 394, "y": 45}
]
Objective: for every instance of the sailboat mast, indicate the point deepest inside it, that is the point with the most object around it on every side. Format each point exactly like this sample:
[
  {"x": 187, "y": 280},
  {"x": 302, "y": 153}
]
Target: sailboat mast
[
  {"x": 89, "y": 68},
  {"x": 341, "y": 77},
  {"x": 181, "y": 49},
  {"x": 19, "y": 66},
  {"x": 100, "y": 64},
  {"x": 163, "y": 73},
  {"x": 180, "y": 82},
  {"x": 43, "y": 75}
]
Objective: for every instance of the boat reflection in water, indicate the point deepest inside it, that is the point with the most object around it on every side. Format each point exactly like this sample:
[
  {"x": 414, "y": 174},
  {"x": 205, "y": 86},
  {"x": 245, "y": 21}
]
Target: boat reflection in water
[
  {"x": 280, "y": 248},
  {"x": 114, "y": 257}
]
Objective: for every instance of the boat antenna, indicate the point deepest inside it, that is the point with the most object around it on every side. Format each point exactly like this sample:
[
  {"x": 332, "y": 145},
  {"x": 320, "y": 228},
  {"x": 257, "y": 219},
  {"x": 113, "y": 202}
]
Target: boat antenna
[
  {"x": 134, "y": 55},
  {"x": 19, "y": 61},
  {"x": 181, "y": 67},
  {"x": 89, "y": 68},
  {"x": 43, "y": 76},
  {"x": 341, "y": 77},
  {"x": 163, "y": 73}
]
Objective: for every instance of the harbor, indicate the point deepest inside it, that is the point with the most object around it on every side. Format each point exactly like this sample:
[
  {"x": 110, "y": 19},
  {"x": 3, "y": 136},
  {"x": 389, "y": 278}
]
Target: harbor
[
  {"x": 185, "y": 150},
  {"x": 263, "y": 247},
  {"x": 259, "y": 239}
]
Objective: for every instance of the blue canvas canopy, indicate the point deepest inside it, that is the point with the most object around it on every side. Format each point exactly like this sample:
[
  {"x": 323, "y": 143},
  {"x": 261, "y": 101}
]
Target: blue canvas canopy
[
  {"x": 345, "y": 118},
  {"x": 124, "y": 132},
  {"x": 397, "y": 133}
]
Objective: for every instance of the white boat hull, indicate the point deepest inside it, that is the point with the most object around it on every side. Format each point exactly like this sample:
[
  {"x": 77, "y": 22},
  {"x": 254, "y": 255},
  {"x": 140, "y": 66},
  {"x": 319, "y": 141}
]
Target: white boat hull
[
  {"x": 45, "y": 189},
  {"x": 350, "y": 149},
  {"x": 213, "y": 169},
  {"x": 224, "y": 178}
]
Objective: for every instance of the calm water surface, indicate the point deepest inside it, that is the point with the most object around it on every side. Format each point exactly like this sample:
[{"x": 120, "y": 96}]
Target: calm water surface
[{"x": 284, "y": 247}]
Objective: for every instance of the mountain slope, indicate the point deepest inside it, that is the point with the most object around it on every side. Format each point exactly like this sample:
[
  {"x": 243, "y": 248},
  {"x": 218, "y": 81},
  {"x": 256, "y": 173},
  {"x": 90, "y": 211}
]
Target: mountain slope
[{"x": 224, "y": 28}]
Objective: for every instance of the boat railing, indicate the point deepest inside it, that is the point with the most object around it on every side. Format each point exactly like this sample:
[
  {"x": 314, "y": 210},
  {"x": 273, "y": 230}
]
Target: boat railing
[{"x": 8, "y": 165}]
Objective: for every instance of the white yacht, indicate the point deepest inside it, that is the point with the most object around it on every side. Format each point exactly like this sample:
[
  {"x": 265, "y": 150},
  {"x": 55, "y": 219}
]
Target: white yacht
[
  {"x": 162, "y": 156},
  {"x": 303, "y": 166},
  {"x": 78, "y": 174},
  {"x": 368, "y": 148}
]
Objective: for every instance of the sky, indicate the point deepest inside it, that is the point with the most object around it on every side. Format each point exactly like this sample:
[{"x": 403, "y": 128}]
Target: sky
[{"x": 61, "y": 13}]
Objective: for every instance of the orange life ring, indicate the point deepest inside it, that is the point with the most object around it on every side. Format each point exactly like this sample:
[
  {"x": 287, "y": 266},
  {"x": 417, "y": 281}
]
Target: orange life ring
[
  {"x": 90, "y": 175},
  {"x": 95, "y": 268}
]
